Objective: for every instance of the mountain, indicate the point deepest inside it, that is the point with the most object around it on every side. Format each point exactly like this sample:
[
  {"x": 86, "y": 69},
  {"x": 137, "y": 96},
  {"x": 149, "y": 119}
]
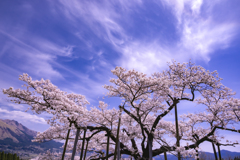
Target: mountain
[
  {"x": 14, "y": 133},
  {"x": 204, "y": 155},
  {"x": 16, "y": 138},
  {"x": 20, "y": 127},
  {"x": 226, "y": 154}
]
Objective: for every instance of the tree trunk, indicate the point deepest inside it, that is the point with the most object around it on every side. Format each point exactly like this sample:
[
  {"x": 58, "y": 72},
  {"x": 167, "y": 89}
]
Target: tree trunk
[
  {"x": 65, "y": 145},
  {"x": 86, "y": 149},
  {"x": 165, "y": 155},
  {"x": 197, "y": 154},
  {"x": 150, "y": 146},
  {"x": 84, "y": 135},
  {"x": 219, "y": 152},
  {"x": 118, "y": 151},
  {"x": 117, "y": 139},
  {"x": 75, "y": 144},
  {"x": 108, "y": 137},
  {"x": 177, "y": 131},
  {"x": 214, "y": 150}
]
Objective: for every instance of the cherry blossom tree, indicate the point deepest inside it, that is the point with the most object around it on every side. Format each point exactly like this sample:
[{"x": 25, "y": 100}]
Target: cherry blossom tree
[{"x": 146, "y": 102}]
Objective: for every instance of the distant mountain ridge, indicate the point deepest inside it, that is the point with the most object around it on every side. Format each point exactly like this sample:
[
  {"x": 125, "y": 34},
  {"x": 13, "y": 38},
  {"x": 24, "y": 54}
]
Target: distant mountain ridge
[
  {"x": 226, "y": 155},
  {"x": 11, "y": 130},
  {"x": 15, "y": 137},
  {"x": 20, "y": 127}
]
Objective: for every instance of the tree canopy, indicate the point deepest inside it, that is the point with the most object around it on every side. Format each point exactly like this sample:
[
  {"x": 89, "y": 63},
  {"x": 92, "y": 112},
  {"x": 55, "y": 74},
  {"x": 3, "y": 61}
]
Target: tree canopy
[{"x": 146, "y": 101}]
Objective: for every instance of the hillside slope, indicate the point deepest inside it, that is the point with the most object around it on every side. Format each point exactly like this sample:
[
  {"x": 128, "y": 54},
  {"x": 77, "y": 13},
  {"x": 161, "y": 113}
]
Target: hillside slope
[
  {"x": 12, "y": 132},
  {"x": 18, "y": 138}
]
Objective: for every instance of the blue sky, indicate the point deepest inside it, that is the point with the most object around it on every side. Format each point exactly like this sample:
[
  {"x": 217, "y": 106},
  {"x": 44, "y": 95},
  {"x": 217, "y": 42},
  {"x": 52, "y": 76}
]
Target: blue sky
[{"x": 77, "y": 43}]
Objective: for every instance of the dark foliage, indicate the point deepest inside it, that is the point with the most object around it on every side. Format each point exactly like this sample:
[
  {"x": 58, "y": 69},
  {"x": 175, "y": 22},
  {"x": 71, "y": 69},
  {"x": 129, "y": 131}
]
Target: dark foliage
[
  {"x": 237, "y": 158},
  {"x": 8, "y": 156}
]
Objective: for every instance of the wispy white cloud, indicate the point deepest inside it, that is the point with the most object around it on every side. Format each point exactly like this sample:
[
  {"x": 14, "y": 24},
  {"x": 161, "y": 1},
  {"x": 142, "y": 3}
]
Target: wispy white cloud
[
  {"x": 145, "y": 58},
  {"x": 36, "y": 64},
  {"x": 199, "y": 38},
  {"x": 37, "y": 54},
  {"x": 21, "y": 116},
  {"x": 49, "y": 47},
  {"x": 84, "y": 84},
  {"x": 101, "y": 17},
  {"x": 199, "y": 34},
  {"x": 202, "y": 38},
  {"x": 12, "y": 106}
]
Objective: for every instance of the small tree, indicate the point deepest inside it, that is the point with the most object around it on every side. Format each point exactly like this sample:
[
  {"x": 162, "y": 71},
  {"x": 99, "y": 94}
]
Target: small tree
[{"x": 3, "y": 155}]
